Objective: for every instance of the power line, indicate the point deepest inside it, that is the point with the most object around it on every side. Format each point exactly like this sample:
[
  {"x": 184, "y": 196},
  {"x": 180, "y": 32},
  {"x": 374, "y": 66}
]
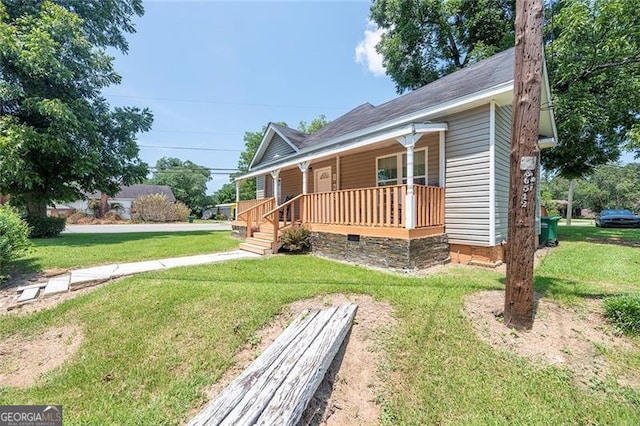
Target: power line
[
  {"x": 181, "y": 169},
  {"x": 202, "y": 101},
  {"x": 189, "y": 148},
  {"x": 196, "y": 132}
]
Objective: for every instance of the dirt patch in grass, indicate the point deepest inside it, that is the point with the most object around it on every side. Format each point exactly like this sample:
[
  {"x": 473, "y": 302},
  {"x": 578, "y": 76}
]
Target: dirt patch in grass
[
  {"x": 347, "y": 396},
  {"x": 24, "y": 358},
  {"x": 573, "y": 338}
]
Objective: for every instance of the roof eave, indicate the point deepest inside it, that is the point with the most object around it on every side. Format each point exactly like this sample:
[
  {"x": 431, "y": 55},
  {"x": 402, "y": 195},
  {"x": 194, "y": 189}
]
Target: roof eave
[{"x": 420, "y": 114}]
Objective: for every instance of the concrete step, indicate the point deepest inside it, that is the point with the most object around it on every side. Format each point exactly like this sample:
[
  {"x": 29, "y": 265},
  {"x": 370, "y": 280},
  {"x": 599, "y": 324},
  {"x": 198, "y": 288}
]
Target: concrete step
[
  {"x": 259, "y": 242},
  {"x": 29, "y": 295},
  {"x": 57, "y": 285},
  {"x": 255, "y": 249}
]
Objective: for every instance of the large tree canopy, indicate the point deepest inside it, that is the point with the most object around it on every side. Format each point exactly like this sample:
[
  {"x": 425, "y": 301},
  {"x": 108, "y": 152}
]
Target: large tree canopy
[
  {"x": 426, "y": 39},
  {"x": 187, "y": 180},
  {"x": 58, "y": 136},
  {"x": 593, "y": 59}
]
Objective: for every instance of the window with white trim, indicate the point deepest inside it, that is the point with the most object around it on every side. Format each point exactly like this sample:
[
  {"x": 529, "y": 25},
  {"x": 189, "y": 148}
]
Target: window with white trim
[{"x": 392, "y": 169}]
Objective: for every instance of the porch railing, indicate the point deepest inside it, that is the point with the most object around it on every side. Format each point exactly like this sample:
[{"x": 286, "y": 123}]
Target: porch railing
[
  {"x": 430, "y": 206},
  {"x": 285, "y": 216},
  {"x": 244, "y": 205},
  {"x": 379, "y": 206},
  {"x": 253, "y": 216},
  {"x": 376, "y": 207}
]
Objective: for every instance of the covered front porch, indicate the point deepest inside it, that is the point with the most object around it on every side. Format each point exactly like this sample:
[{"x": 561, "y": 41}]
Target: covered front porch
[
  {"x": 387, "y": 185},
  {"x": 364, "y": 225},
  {"x": 395, "y": 211}
]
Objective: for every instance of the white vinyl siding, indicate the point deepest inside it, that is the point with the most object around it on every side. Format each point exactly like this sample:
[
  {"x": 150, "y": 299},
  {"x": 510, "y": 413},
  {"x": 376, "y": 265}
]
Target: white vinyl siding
[
  {"x": 278, "y": 148},
  {"x": 467, "y": 177},
  {"x": 502, "y": 152}
]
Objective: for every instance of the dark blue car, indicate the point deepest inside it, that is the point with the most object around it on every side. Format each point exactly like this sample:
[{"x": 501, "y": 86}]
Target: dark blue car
[{"x": 617, "y": 218}]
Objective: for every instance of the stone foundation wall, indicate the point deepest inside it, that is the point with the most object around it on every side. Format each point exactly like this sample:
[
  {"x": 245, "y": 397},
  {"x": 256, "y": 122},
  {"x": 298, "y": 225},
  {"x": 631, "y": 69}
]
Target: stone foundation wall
[
  {"x": 395, "y": 253},
  {"x": 239, "y": 232}
]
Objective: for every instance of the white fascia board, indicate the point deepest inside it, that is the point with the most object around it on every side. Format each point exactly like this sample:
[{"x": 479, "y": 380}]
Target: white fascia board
[
  {"x": 393, "y": 133},
  {"x": 268, "y": 134},
  {"x": 421, "y": 114}
]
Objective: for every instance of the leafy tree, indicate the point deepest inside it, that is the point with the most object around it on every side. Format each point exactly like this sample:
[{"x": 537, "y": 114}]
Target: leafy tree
[
  {"x": 227, "y": 193},
  {"x": 609, "y": 186},
  {"x": 315, "y": 125},
  {"x": 58, "y": 136},
  {"x": 593, "y": 56},
  {"x": 426, "y": 39},
  {"x": 187, "y": 180}
]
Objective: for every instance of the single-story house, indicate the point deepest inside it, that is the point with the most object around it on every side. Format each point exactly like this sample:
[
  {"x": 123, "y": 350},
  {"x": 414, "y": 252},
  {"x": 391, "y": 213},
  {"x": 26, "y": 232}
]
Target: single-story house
[
  {"x": 60, "y": 210},
  {"x": 124, "y": 198},
  {"x": 419, "y": 180}
]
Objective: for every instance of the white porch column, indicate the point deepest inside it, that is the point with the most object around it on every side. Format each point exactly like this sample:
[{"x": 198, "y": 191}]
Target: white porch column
[
  {"x": 237, "y": 197},
  {"x": 441, "y": 176},
  {"x": 304, "y": 168},
  {"x": 274, "y": 175},
  {"x": 409, "y": 142}
]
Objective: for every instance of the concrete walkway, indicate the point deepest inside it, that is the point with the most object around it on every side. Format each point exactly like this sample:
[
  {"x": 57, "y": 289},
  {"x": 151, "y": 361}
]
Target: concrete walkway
[
  {"x": 81, "y": 277},
  {"x": 147, "y": 227}
]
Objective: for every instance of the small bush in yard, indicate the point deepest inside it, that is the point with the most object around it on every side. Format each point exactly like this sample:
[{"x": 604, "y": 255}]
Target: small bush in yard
[
  {"x": 296, "y": 239},
  {"x": 624, "y": 313},
  {"x": 46, "y": 226},
  {"x": 158, "y": 208},
  {"x": 14, "y": 237},
  {"x": 182, "y": 211}
]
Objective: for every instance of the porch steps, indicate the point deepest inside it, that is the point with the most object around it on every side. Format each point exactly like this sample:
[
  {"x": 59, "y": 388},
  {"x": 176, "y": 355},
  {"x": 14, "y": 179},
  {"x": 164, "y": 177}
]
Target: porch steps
[
  {"x": 259, "y": 243},
  {"x": 255, "y": 249}
]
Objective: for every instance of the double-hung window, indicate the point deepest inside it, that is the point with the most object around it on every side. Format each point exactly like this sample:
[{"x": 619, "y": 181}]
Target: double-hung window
[{"x": 392, "y": 169}]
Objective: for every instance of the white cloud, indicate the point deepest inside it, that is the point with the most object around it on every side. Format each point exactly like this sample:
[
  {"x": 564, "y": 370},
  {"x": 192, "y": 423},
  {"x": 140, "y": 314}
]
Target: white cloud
[{"x": 366, "y": 50}]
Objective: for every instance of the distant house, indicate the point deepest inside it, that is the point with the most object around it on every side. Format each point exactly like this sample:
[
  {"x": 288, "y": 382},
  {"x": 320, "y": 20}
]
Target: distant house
[
  {"x": 417, "y": 181},
  {"x": 123, "y": 200},
  {"x": 60, "y": 210}
]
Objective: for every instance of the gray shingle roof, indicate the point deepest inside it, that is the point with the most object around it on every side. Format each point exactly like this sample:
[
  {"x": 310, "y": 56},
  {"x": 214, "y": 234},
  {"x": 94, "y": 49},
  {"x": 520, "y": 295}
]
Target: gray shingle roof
[
  {"x": 482, "y": 75},
  {"x": 135, "y": 191}
]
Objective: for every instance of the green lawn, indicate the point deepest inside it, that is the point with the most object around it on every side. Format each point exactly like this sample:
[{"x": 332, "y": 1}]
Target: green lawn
[
  {"x": 79, "y": 250},
  {"x": 165, "y": 337}
]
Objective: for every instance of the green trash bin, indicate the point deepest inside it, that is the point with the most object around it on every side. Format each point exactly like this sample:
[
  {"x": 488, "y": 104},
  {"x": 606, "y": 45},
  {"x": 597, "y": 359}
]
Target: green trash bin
[
  {"x": 190, "y": 218},
  {"x": 549, "y": 231},
  {"x": 544, "y": 230},
  {"x": 553, "y": 230}
]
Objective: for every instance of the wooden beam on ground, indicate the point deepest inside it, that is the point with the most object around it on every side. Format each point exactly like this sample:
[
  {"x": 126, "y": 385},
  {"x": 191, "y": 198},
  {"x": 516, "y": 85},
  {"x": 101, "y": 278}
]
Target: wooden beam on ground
[{"x": 278, "y": 385}]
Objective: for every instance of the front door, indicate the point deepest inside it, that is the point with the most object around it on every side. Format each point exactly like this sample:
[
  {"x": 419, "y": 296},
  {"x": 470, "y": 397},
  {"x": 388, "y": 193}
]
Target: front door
[{"x": 322, "y": 179}]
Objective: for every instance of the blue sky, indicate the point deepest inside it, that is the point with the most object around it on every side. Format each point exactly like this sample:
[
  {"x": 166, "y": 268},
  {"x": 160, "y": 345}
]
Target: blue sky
[{"x": 211, "y": 70}]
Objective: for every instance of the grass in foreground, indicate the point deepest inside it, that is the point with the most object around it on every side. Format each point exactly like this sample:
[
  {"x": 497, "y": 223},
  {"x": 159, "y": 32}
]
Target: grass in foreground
[
  {"x": 81, "y": 250},
  {"x": 165, "y": 337}
]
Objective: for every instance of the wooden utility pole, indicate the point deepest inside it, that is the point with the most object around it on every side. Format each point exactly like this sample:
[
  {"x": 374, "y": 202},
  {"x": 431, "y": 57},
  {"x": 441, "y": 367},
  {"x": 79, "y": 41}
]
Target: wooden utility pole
[{"x": 518, "y": 301}]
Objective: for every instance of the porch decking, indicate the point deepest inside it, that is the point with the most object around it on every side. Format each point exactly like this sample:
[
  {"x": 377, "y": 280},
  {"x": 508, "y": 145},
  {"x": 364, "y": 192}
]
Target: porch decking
[{"x": 375, "y": 212}]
